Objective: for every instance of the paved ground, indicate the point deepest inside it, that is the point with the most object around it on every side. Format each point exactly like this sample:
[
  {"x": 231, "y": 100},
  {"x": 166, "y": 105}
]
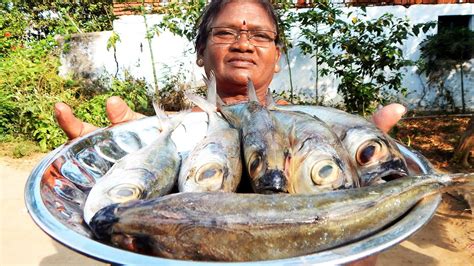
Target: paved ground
[
  {"x": 22, "y": 242},
  {"x": 447, "y": 240}
]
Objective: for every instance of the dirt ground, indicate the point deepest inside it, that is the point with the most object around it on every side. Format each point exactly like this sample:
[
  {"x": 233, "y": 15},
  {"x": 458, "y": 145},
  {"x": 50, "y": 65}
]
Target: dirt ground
[{"x": 448, "y": 239}]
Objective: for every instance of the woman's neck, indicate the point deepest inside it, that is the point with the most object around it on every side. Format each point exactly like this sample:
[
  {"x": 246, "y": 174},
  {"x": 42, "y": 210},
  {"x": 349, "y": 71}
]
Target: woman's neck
[{"x": 233, "y": 99}]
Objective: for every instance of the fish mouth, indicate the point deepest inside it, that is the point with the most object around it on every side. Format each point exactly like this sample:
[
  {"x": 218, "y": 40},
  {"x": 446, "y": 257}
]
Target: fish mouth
[
  {"x": 387, "y": 172},
  {"x": 273, "y": 181},
  {"x": 102, "y": 222}
]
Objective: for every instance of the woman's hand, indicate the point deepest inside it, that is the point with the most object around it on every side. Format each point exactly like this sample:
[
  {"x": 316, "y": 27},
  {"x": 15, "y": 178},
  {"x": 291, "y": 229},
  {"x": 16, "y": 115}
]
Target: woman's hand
[
  {"x": 117, "y": 112},
  {"x": 388, "y": 116}
]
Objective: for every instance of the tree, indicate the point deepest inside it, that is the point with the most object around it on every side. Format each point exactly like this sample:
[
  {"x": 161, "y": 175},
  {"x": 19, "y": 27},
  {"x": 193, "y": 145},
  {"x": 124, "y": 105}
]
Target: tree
[
  {"x": 364, "y": 54},
  {"x": 449, "y": 49}
]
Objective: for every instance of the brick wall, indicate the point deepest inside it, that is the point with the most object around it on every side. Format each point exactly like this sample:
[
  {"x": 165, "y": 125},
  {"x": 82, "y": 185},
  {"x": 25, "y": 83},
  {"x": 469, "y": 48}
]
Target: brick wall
[{"x": 131, "y": 7}]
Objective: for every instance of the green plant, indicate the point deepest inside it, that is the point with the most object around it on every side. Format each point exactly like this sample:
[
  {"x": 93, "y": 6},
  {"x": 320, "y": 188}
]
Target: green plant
[
  {"x": 364, "y": 54},
  {"x": 171, "y": 95},
  {"x": 442, "y": 52}
]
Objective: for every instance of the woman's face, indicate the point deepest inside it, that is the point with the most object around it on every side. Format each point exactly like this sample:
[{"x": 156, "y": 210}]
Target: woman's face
[{"x": 234, "y": 63}]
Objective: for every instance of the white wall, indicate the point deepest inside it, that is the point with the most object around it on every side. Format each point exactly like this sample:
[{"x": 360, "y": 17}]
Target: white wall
[{"x": 133, "y": 55}]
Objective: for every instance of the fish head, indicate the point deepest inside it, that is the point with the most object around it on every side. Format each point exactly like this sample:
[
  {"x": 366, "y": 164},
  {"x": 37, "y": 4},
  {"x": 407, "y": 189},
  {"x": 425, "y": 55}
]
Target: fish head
[
  {"x": 209, "y": 169},
  {"x": 316, "y": 166},
  {"x": 266, "y": 149},
  {"x": 375, "y": 155},
  {"x": 126, "y": 186}
]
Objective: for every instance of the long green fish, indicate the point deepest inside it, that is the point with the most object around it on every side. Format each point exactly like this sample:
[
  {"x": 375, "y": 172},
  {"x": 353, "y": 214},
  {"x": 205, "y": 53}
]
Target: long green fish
[{"x": 222, "y": 226}]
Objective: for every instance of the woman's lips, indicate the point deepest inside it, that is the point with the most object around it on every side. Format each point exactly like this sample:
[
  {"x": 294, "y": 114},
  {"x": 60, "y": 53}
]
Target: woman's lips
[{"x": 241, "y": 62}]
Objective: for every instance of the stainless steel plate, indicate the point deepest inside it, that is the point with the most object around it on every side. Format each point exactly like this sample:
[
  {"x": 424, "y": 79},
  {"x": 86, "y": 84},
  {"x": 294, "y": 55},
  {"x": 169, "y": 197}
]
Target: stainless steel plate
[{"x": 57, "y": 187}]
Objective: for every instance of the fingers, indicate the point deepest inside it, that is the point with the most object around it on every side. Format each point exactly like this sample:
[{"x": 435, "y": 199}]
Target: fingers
[
  {"x": 71, "y": 125},
  {"x": 118, "y": 111},
  {"x": 388, "y": 116}
]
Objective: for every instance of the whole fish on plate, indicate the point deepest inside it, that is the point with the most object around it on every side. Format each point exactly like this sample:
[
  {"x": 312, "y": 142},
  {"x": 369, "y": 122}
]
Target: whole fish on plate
[
  {"x": 264, "y": 142},
  {"x": 374, "y": 153},
  {"x": 149, "y": 172},
  {"x": 318, "y": 161},
  {"x": 222, "y": 226},
  {"x": 215, "y": 163}
]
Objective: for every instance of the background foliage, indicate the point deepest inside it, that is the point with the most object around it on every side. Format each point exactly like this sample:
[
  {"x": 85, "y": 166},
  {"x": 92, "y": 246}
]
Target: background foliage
[
  {"x": 29, "y": 62},
  {"x": 364, "y": 55}
]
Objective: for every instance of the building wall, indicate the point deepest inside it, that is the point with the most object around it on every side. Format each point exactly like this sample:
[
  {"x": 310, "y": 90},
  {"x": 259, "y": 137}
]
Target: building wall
[{"x": 89, "y": 57}]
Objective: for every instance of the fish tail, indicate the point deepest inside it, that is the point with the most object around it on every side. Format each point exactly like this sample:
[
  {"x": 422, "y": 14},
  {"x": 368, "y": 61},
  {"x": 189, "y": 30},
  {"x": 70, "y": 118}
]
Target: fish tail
[
  {"x": 209, "y": 105},
  {"x": 252, "y": 94},
  {"x": 163, "y": 118},
  {"x": 176, "y": 120},
  {"x": 211, "y": 89},
  {"x": 271, "y": 104},
  {"x": 168, "y": 125},
  {"x": 461, "y": 183}
]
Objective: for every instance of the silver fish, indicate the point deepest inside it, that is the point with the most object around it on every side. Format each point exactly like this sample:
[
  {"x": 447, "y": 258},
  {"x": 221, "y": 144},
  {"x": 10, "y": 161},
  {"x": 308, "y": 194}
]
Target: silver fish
[
  {"x": 215, "y": 163},
  {"x": 374, "y": 153},
  {"x": 318, "y": 161},
  {"x": 250, "y": 227},
  {"x": 150, "y": 172},
  {"x": 264, "y": 143}
]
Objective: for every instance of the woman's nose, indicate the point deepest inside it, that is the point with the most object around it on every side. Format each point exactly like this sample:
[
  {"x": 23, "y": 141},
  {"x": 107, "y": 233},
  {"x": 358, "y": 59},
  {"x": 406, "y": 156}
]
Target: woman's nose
[{"x": 243, "y": 43}]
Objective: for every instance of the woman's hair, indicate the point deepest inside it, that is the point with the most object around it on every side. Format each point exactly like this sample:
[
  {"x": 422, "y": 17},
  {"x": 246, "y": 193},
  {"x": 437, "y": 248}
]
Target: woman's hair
[{"x": 212, "y": 10}]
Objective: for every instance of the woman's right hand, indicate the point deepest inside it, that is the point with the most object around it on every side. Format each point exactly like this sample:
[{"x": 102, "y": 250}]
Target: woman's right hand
[{"x": 117, "y": 112}]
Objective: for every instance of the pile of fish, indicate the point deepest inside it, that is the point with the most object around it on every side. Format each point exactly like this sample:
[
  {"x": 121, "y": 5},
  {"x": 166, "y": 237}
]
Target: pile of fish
[{"x": 322, "y": 178}]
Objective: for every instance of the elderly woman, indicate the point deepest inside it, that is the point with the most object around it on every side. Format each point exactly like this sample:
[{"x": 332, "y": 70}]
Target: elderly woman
[{"x": 237, "y": 40}]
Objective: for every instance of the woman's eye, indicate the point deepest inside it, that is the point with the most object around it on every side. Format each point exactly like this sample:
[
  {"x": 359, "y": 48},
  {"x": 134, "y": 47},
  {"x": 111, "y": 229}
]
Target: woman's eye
[
  {"x": 224, "y": 33},
  {"x": 371, "y": 152},
  {"x": 324, "y": 172},
  {"x": 261, "y": 36}
]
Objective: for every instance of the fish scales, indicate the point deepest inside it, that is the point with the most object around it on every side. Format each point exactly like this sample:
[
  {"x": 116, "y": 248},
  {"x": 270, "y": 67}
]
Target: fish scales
[{"x": 250, "y": 227}]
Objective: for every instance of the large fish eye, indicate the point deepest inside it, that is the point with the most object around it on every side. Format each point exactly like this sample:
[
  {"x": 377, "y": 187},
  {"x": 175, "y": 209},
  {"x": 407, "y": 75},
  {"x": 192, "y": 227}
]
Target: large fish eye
[
  {"x": 255, "y": 164},
  {"x": 125, "y": 192},
  {"x": 209, "y": 172},
  {"x": 324, "y": 172},
  {"x": 370, "y": 152}
]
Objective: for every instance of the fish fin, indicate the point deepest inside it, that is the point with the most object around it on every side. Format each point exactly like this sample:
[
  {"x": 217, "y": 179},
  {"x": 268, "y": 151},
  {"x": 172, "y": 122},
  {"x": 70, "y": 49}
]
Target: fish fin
[
  {"x": 252, "y": 94},
  {"x": 292, "y": 136},
  {"x": 212, "y": 89},
  {"x": 200, "y": 102},
  {"x": 269, "y": 100},
  {"x": 176, "y": 120},
  {"x": 460, "y": 183},
  {"x": 231, "y": 118},
  {"x": 167, "y": 124},
  {"x": 163, "y": 118}
]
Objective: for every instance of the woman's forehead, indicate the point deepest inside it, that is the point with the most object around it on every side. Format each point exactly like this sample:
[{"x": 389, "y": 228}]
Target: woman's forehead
[{"x": 249, "y": 14}]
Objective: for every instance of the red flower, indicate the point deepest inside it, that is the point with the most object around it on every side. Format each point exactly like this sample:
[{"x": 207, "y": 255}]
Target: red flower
[{"x": 7, "y": 34}]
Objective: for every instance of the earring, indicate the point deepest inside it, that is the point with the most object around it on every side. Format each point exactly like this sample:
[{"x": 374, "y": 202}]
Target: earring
[{"x": 200, "y": 62}]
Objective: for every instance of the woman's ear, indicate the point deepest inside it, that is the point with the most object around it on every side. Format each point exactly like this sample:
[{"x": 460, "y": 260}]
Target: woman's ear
[
  {"x": 277, "y": 59},
  {"x": 277, "y": 68}
]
